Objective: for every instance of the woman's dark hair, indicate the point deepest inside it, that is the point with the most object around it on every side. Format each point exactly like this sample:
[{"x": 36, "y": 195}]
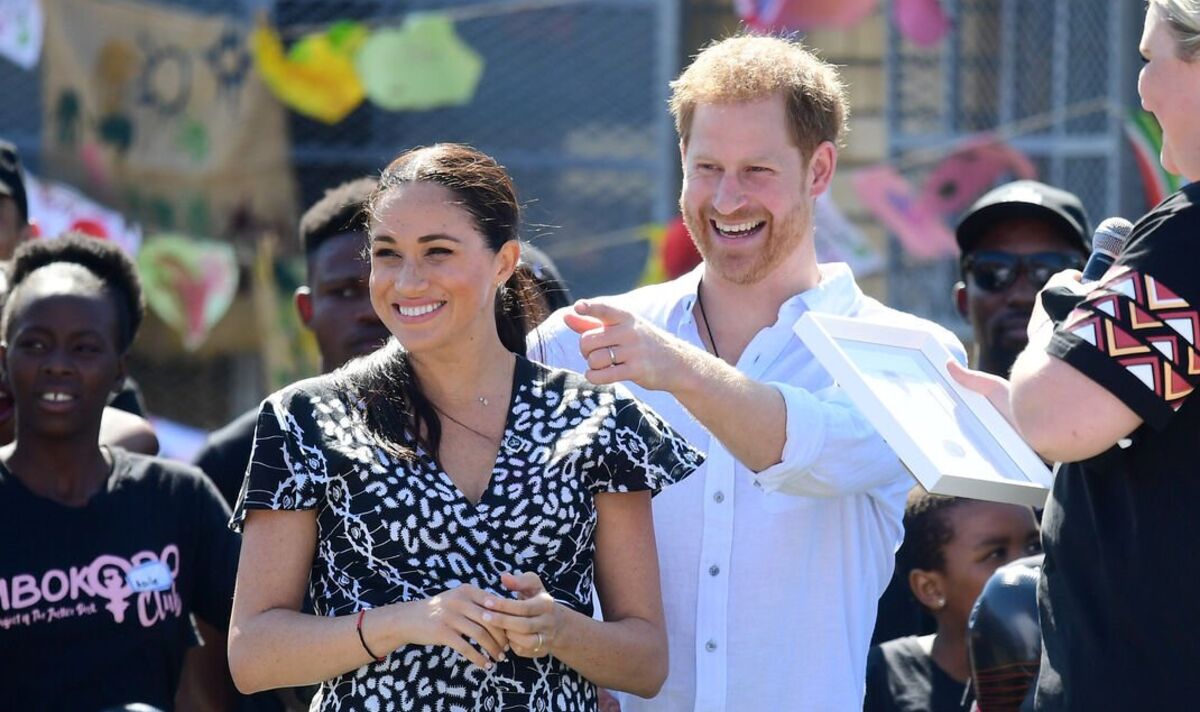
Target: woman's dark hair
[
  {"x": 102, "y": 258},
  {"x": 481, "y": 186}
]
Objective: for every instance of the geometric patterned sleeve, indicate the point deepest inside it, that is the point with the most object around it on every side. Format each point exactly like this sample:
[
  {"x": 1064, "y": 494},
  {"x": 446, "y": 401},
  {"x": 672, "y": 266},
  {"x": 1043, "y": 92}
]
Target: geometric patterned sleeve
[
  {"x": 1135, "y": 332},
  {"x": 287, "y": 464},
  {"x": 642, "y": 451}
]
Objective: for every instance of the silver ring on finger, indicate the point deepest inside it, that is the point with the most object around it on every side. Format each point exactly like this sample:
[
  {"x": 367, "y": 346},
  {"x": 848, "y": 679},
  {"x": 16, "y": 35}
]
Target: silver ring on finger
[{"x": 612, "y": 356}]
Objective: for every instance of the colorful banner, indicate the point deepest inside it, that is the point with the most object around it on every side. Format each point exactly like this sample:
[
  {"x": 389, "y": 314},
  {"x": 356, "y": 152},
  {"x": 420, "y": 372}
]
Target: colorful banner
[
  {"x": 923, "y": 22},
  {"x": 188, "y": 283},
  {"x": 316, "y": 77},
  {"x": 775, "y": 15},
  {"x": 22, "y": 25},
  {"x": 839, "y": 240},
  {"x": 896, "y": 204},
  {"x": 971, "y": 170},
  {"x": 288, "y": 350},
  {"x": 158, "y": 113},
  {"x": 55, "y": 208},
  {"x": 422, "y": 65}
]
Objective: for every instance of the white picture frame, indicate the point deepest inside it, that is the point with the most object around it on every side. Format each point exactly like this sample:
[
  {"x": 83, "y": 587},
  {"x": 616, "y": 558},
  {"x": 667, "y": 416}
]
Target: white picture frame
[{"x": 952, "y": 440}]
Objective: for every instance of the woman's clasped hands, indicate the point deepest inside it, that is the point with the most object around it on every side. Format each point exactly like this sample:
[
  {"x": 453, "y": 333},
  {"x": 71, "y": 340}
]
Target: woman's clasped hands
[{"x": 483, "y": 626}]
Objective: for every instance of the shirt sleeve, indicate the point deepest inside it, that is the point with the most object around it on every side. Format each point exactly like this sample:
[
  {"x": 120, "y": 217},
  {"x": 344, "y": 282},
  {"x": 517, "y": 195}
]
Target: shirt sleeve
[
  {"x": 831, "y": 449},
  {"x": 287, "y": 467},
  {"x": 1134, "y": 334},
  {"x": 642, "y": 452},
  {"x": 555, "y": 344}
]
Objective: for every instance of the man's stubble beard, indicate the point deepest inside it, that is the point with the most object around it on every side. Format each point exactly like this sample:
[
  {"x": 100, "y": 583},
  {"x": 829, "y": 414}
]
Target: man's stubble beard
[{"x": 782, "y": 238}]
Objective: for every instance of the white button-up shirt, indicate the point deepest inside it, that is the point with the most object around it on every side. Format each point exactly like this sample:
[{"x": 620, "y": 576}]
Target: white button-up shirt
[{"x": 770, "y": 580}]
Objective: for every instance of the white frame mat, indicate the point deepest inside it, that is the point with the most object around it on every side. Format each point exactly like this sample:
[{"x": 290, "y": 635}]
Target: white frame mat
[{"x": 951, "y": 439}]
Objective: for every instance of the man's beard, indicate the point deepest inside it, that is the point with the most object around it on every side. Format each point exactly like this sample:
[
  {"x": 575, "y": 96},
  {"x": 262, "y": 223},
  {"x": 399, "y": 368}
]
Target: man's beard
[{"x": 781, "y": 239}]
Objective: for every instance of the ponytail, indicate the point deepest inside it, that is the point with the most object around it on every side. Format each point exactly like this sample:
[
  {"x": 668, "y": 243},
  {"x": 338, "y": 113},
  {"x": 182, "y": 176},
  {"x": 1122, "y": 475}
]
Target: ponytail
[{"x": 518, "y": 311}]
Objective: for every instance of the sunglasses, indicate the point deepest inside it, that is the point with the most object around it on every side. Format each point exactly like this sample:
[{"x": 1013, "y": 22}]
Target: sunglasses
[{"x": 996, "y": 271}]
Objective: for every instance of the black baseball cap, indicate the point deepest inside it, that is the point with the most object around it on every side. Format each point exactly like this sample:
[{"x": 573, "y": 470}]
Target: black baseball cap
[
  {"x": 1026, "y": 199},
  {"x": 12, "y": 182}
]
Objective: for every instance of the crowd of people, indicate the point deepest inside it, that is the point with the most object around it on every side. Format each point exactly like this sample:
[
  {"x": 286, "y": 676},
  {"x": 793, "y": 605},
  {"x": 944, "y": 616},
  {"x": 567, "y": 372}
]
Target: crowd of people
[{"x": 496, "y": 498}]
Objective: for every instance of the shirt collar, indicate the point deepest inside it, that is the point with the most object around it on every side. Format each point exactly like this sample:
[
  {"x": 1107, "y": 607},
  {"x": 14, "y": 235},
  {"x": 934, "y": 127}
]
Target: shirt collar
[
  {"x": 836, "y": 293},
  {"x": 683, "y": 294}
]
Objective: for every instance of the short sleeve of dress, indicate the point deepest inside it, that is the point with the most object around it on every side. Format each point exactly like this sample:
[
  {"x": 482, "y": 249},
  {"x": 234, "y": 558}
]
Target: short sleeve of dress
[
  {"x": 1135, "y": 332},
  {"x": 287, "y": 464},
  {"x": 643, "y": 452}
]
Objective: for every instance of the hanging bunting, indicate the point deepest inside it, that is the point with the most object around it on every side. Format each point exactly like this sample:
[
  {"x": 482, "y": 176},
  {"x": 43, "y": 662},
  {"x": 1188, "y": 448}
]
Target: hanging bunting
[
  {"x": 288, "y": 351},
  {"x": 154, "y": 111},
  {"x": 839, "y": 240},
  {"x": 55, "y": 208},
  {"x": 22, "y": 25},
  {"x": 188, "y": 283},
  {"x": 894, "y": 202},
  {"x": 422, "y": 65},
  {"x": 776, "y": 15},
  {"x": 969, "y": 172},
  {"x": 923, "y": 22},
  {"x": 316, "y": 77}
]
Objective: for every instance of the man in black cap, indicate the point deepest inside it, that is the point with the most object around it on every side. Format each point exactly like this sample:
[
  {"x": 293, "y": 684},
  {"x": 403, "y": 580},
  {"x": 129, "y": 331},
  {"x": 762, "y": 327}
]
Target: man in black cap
[
  {"x": 1012, "y": 240},
  {"x": 14, "y": 204}
]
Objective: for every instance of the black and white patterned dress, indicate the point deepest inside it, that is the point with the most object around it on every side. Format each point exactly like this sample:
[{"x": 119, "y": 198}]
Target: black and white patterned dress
[{"x": 399, "y": 530}]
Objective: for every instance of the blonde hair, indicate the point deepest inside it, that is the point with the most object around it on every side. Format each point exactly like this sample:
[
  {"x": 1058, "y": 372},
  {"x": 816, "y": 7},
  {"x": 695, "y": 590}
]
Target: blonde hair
[
  {"x": 1183, "y": 17},
  {"x": 754, "y": 67}
]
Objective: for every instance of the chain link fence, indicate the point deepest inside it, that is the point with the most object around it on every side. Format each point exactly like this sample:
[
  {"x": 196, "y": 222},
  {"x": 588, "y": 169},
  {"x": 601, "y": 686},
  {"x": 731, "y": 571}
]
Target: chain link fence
[
  {"x": 1053, "y": 78},
  {"x": 572, "y": 101}
]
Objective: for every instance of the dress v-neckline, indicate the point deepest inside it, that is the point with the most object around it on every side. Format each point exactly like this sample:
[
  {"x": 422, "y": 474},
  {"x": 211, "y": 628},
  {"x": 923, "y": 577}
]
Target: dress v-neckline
[{"x": 480, "y": 504}]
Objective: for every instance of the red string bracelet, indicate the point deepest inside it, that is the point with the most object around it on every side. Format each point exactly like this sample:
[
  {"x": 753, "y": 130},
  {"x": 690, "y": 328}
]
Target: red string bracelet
[{"x": 361, "y": 639}]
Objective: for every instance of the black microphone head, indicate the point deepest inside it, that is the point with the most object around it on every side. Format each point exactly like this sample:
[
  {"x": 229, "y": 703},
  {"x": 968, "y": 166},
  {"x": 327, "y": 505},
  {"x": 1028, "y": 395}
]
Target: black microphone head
[{"x": 1110, "y": 236}]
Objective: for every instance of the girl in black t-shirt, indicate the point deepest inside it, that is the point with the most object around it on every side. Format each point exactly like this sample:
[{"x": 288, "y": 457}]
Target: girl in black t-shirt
[
  {"x": 107, "y": 553},
  {"x": 951, "y": 546}
]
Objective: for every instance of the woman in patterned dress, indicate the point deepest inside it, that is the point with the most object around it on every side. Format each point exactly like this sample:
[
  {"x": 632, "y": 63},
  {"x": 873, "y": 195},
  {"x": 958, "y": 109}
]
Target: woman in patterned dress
[{"x": 449, "y": 505}]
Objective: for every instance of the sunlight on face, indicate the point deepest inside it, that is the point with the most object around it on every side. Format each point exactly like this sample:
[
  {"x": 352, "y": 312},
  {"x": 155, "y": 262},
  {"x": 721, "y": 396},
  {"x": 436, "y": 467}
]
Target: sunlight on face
[
  {"x": 433, "y": 276},
  {"x": 1170, "y": 89},
  {"x": 746, "y": 197}
]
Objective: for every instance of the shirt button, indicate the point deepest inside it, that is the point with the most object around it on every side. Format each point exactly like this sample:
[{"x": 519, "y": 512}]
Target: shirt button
[
  {"x": 758, "y": 484},
  {"x": 714, "y": 570},
  {"x": 710, "y": 645},
  {"x": 718, "y": 497}
]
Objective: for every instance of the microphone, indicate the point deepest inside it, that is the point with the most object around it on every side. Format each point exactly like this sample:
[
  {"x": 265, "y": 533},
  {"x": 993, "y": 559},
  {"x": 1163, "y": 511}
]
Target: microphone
[{"x": 1107, "y": 242}]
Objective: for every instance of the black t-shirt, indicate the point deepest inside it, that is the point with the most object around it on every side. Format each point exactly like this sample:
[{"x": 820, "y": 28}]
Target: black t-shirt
[
  {"x": 129, "y": 398},
  {"x": 95, "y": 600},
  {"x": 1121, "y": 579},
  {"x": 226, "y": 454},
  {"x": 902, "y": 677}
]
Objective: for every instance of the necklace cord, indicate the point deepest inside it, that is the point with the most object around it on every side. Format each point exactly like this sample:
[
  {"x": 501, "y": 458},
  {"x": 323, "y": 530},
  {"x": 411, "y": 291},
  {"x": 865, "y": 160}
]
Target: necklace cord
[
  {"x": 485, "y": 436},
  {"x": 704, "y": 316}
]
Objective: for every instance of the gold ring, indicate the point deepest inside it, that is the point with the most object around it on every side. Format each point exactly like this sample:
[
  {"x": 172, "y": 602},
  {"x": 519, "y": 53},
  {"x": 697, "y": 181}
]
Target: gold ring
[
  {"x": 612, "y": 356},
  {"x": 541, "y": 640}
]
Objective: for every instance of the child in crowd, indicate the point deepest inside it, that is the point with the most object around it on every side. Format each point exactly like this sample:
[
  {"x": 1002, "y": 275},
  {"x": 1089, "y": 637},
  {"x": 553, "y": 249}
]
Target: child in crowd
[{"x": 951, "y": 547}]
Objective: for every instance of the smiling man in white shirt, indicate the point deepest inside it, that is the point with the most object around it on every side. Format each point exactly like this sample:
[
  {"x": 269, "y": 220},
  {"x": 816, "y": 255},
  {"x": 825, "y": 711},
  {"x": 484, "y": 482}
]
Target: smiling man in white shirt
[{"x": 774, "y": 554}]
